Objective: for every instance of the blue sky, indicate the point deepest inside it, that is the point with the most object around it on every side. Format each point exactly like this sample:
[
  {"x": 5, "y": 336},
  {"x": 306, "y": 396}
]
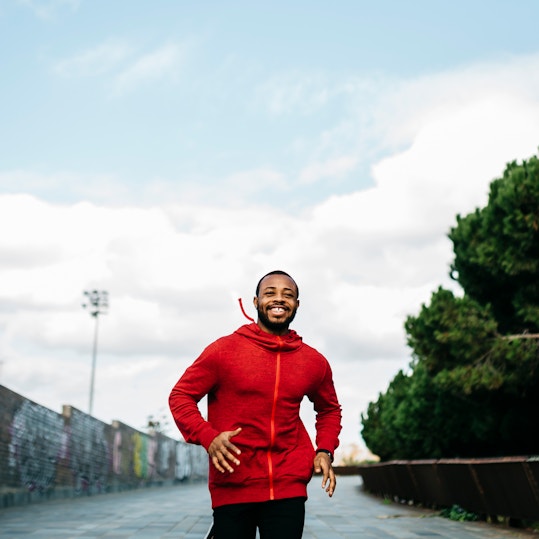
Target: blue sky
[
  {"x": 189, "y": 94},
  {"x": 173, "y": 152}
]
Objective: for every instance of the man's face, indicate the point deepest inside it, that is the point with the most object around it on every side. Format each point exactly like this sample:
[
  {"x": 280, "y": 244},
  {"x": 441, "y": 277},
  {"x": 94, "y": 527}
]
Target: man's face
[{"x": 277, "y": 303}]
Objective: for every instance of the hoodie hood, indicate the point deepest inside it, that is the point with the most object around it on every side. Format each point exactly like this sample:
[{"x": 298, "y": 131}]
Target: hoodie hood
[{"x": 273, "y": 343}]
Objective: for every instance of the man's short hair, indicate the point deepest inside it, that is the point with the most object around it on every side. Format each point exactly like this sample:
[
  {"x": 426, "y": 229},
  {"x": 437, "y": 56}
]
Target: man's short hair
[{"x": 276, "y": 272}]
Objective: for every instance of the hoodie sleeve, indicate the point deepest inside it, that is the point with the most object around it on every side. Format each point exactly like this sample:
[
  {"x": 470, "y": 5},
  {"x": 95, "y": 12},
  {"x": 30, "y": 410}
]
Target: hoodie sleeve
[
  {"x": 197, "y": 381},
  {"x": 328, "y": 412}
]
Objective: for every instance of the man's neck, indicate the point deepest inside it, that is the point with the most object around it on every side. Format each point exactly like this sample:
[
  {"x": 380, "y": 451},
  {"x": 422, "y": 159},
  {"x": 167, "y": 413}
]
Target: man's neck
[{"x": 276, "y": 332}]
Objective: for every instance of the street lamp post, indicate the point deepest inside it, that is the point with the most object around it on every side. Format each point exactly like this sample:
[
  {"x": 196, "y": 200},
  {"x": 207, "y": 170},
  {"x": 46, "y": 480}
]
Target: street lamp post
[{"x": 97, "y": 302}]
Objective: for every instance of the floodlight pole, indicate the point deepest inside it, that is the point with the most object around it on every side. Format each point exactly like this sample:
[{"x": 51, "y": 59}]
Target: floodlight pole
[
  {"x": 92, "y": 377},
  {"x": 97, "y": 303}
]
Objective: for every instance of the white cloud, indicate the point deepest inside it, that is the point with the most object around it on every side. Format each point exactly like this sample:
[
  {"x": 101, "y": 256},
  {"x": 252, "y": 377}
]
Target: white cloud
[
  {"x": 155, "y": 65},
  {"x": 99, "y": 60},
  {"x": 47, "y": 9},
  {"x": 376, "y": 115},
  {"x": 332, "y": 168},
  {"x": 403, "y": 108},
  {"x": 174, "y": 271},
  {"x": 294, "y": 92},
  {"x": 256, "y": 180},
  {"x": 124, "y": 67}
]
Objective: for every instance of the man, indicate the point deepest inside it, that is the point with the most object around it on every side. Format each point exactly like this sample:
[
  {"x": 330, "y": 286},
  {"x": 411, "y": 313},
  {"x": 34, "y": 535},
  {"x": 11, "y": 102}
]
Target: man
[{"x": 261, "y": 456}]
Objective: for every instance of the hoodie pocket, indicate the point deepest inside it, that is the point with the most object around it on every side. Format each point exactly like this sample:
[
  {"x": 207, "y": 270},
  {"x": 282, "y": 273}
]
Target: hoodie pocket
[{"x": 253, "y": 467}]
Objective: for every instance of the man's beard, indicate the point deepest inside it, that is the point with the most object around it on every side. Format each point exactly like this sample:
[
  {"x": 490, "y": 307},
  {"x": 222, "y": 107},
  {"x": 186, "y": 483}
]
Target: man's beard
[{"x": 275, "y": 326}]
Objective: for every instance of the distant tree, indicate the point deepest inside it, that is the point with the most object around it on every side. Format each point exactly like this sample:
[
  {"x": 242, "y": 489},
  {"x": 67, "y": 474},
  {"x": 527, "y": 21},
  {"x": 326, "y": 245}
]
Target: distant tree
[
  {"x": 450, "y": 332},
  {"x": 473, "y": 387},
  {"x": 417, "y": 418},
  {"x": 497, "y": 249}
]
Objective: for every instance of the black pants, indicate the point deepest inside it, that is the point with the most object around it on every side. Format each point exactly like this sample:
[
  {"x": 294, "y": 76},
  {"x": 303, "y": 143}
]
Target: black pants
[{"x": 276, "y": 519}]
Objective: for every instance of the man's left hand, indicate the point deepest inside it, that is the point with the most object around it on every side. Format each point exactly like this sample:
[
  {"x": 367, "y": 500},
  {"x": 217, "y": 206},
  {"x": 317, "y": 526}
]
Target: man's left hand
[{"x": 322, "y": 464}]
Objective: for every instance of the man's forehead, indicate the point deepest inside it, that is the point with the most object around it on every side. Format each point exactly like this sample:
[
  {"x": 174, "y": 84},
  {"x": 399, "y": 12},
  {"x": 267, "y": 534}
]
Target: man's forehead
[
  {"x": 293, "y": 288},
  {"x": 278, "y": 281}
]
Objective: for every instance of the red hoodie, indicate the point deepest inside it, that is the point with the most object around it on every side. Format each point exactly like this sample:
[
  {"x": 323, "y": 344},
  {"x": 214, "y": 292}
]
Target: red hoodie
[{"x": 256, "y": 380}]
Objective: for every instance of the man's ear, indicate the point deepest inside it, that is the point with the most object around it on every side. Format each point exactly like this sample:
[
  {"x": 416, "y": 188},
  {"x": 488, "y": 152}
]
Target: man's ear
[{"x": 255, "y": 302}]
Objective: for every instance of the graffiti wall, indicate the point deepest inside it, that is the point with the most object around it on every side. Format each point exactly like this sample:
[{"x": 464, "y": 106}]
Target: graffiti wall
[{"x": 44, "y": 454}]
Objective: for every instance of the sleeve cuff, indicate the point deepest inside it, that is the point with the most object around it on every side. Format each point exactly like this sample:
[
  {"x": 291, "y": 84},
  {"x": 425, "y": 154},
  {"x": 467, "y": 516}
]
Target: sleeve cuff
[{"x": 327, "y": 452}]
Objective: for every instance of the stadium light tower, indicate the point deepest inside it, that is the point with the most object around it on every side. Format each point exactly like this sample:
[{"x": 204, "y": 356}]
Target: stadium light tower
[{"x": 97, "y": 302}]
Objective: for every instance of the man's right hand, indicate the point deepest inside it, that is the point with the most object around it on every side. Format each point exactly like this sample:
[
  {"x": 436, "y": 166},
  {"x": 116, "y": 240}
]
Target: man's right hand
[{"x": 223, "y": 452}]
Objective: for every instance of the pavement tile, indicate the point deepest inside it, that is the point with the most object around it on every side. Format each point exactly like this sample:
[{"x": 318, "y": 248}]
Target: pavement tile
[{"x": 183, "y": 512}]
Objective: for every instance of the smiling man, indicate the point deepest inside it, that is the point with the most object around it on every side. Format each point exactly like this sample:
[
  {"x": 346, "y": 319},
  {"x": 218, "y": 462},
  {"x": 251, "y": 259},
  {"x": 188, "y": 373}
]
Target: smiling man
[
  {"x": 261, "y": 456},
  {"x": 276, "y": 301}
]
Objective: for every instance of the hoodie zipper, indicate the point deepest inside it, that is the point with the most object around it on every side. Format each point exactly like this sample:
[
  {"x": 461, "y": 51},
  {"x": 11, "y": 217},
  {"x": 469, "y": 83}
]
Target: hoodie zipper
[{"x": 272, "y": 420}]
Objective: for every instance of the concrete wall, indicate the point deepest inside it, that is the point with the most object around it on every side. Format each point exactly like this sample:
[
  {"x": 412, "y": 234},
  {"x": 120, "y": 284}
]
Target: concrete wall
[{"x": 44, "y": 454}]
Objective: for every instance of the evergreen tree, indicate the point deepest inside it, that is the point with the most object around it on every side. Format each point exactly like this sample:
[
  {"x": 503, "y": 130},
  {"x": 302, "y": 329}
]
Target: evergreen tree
[{"x": 473, "y": 389}]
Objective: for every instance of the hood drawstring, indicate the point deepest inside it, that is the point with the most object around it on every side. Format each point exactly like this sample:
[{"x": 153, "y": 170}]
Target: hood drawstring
[{"x": 243, "y": 311}]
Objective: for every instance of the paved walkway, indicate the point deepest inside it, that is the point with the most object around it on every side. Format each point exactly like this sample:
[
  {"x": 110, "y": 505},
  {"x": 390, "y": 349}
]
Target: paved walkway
[{"x": 183, "y": 512}]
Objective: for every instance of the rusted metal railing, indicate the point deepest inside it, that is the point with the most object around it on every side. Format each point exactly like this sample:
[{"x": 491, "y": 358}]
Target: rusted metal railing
[{"x": 506, "y": 487}]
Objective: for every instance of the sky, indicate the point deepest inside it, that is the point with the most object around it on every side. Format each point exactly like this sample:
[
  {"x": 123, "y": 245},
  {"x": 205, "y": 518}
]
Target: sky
[{"x": 172, "y": 153}]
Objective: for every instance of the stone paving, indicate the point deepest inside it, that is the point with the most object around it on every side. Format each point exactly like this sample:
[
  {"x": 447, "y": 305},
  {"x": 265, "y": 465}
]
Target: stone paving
[{"x": 183, "y": 512}]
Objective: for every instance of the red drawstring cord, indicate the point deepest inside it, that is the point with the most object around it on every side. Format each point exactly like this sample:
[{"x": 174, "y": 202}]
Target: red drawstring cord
[{"x": 243, "y": 311}]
